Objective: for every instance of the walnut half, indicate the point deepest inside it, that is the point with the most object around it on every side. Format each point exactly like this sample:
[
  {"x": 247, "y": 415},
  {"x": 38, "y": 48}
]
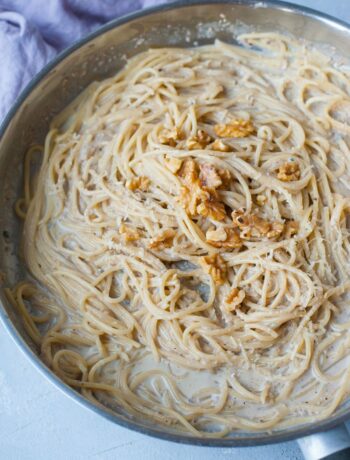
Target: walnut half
[{"x": 198, "y": 195}]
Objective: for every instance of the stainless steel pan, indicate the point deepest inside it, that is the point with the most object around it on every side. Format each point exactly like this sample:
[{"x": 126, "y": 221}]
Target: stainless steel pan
[{"x": 96, "y": 57}]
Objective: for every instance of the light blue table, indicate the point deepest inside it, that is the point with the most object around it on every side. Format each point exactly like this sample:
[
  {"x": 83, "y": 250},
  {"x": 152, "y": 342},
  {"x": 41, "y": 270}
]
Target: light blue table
[{"x": 37, "y": 422}]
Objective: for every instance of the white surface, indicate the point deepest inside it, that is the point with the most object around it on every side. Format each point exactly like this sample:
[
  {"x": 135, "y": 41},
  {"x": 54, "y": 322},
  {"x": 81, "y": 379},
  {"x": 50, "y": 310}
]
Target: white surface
[{"x": 38, "y": 422}]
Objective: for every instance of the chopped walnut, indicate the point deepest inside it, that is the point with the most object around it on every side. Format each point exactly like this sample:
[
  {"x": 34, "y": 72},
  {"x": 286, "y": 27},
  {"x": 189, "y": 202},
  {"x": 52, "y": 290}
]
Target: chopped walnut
[
  {"x": 174, "y": 164},
  {"x": 215, "y": 266},
  {"x": 199, "y": 141},
  {"x": 163, "y": 240},
  {"x": 189, "y": 172},
  {"x": 261, "y": 200},
  {"x": 291, "y": 228},
  {"x": 129, "y": 233},
  {"x": 203, "y": 137},
  {"x": 234, "y": 298},
  {"x": 197, "y": 198},
  {"x": 224, "y": 238},
  {"x": 170, "y": 136},
  {"x": 209, "y": 176},
  {"x": 276, "y": 228},
  {"x": 235, "y": 128},
  {"x": 253, "y": 226},
  {"x": 138, "y": 183},
  {"x": 289, "y": 172},
  {"x": 225, "y": 177},
  {"x": 219, "y": 234},
  {"x": 192, "y": 144},
  {"x": 191, "y": 198},
  {"x": 213, "y": 209},
  {"x": 220, "y": 146}
]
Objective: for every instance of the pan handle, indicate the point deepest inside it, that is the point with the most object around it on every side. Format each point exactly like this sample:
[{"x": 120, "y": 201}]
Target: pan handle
[{"x": 329, "y": 445}]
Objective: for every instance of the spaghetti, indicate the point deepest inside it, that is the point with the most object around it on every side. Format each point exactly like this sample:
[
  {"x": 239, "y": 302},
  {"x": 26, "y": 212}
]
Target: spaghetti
[{"x": 187, "y": 241}]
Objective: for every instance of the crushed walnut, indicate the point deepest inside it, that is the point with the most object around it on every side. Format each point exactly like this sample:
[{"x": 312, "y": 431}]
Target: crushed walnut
[
  {"x": 215, "y": 266},
  {"x": 253, "y": 226},
  {"x": 291, "y": 228},
  {"x": 234, "y": 298},
  {"x": 198, "y": 193},
  {"x": 174, "y": 164},
  {"x": 138, "y": 183},
  {"x": 289, "y": 172},
  {"x": 220, "y": 146},
  {"x": 199, "y": 141},
  {"x": 170, "y": 136},
  {"x": 224, "y": 238},
  {"x": 163, "y": 240},
  {"x": 235, "y": 128},
  {"x": 129, "y": 233}
]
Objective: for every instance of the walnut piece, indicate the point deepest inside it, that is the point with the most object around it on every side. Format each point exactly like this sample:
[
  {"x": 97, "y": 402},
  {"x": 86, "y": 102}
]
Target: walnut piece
[
  {"x": 138, "y": 183},
  {"x": 170, "y": 136},
  {"x": 224, "y": 238},
  {"x": 163, "y": 240},
  {"x": 174, "y": 164},
  {"x": 203, "y": 137},
  {"x": 234, "y": 298},
  {"x": 212, "y": 208},
  {"x": 209, "y": 176},
  {"x": 291, "y": 228},
  {"x": 189, "y": 173},
  {"x": 129, "y": 233},
  {"x": 199, "y": 141},
  {"x": 235, "y": 128},
  {"x": 219, "y": 234},
  {"x": 215, "y": 266},
  {"x": 289, "y": 172},
  {"x": 253, "y": 226},
  {"x": 220, "y": 146},
  {"x": 197, "y": 198},
  {"x": 225, "y": 177},
  {"x": 191, "y": 197},
  {"x": 276, "y": 229}
]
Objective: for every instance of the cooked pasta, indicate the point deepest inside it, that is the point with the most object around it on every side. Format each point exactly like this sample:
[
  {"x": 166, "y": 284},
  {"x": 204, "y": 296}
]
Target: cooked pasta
[{"x": 186, "y": 237}]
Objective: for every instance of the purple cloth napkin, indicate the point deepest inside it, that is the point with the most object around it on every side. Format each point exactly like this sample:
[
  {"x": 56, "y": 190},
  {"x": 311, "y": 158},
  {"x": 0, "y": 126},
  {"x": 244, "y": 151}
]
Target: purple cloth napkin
[{"x": 33, "y": 31}]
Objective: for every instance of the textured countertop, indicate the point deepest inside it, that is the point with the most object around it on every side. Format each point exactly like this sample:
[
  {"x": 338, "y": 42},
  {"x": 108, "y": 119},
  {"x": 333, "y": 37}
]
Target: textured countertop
[{"x": 38, "y": 422}]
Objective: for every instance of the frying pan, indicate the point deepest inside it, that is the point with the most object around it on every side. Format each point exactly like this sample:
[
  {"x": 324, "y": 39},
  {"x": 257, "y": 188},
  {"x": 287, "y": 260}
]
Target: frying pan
[{"x": 96, "y": 57}]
